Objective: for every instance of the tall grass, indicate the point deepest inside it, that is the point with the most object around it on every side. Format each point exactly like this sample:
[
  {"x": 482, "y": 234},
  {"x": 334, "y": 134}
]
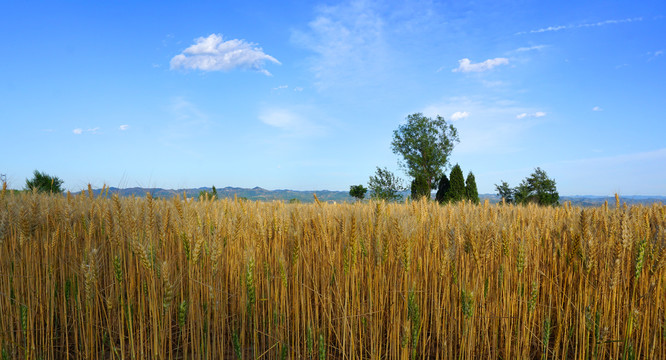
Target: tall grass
[{"x": 138, "y": 278}]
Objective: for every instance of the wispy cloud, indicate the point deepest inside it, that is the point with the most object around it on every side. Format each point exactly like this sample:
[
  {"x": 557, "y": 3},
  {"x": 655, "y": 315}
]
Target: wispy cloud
[
  {"x": 298, "y": 89},
  {"x": 281, "y": 87},
  {"x": 459, "y": 115},
  {"x": 187, "y": 126},
  {"x": 537, "y": 114},
  {"x": 79, "y": 131},
  {"x": 655, "y": 54},
  {"x": 530, "y": 48},
  {"x": 293, "y": 122},
  {"x": 124, "y": 127},
  {"x": 578, "y": 26},
  {"x": 596, "y": 108},
  {"x": 465, "y": 65},
  {"x": 212, "y": 53},
  {"x": 349, "y": 44}
]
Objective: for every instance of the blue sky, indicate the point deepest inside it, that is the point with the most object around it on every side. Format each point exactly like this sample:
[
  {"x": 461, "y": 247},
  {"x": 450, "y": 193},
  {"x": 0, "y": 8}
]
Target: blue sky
[{"x": 305, "y": 95}]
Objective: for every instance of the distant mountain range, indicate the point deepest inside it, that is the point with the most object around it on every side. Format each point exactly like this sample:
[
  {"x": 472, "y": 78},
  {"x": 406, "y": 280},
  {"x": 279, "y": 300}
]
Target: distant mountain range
[{"x": 261, "y": 194}]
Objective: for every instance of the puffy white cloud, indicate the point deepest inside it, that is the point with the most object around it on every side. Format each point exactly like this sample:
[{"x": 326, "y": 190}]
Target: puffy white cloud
[
  {"x": 596, "y": 108},
  {"x": 77, "y": 131},
  {"x": 466, "y": 65},
  {"x": 539, "y": 114},
  {"x": 214, "y": 54},
  {"x": 124, "y": 127},
  {"x": 458, "y": 115}
]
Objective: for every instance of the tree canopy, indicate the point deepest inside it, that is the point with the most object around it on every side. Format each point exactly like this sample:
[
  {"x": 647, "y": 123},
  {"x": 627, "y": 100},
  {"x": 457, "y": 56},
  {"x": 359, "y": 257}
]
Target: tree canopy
[
  {"x": 425, "y": 145},
  {"x": 357, "y": 191},
  {"x": 457, "y": 190},
  {"x": 505, "y": 192},
  {"x": 385, "y": 185},
  {"x": 42, "y": 182},
  {"x": 442, "y": 189},
  {"x": 471, "y": 192},
  {"x": 420, "y": 188}
]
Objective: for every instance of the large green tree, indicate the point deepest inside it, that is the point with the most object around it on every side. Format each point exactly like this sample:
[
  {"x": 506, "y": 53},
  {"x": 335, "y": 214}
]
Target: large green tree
[
  {"x": 385, "y": 185},
  {"x": 471, "y": 192},
  {"x": 537, "y": 188},
  {"x": 42, "y": 182},
  {"x": 425, "y": 145},
  {"x": 457, "y": 190},
  {"x": 357, "y": 191}
]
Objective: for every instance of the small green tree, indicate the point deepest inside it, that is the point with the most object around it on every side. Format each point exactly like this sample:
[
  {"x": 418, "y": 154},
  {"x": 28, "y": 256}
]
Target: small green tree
[
  {"x": 537, "y": 188},
  {"x": 385, "y": 185},
  {"x": 420, "y": 188},
  {"x": 42, "y": 182},
  {"x": 471, "y": 191},
  {"x": 457, "y": 190},
  {"x": 505, "y": 192},
  {"x": 357, "y": 191},
  {"x": 443, "y": 189}
]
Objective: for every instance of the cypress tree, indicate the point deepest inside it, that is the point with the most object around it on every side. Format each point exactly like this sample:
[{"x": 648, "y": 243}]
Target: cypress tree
[
  {"x": 457, "y": 191},
  {"x": 420, "y": 188},
  {"x": 443, "y": 189},
  {"x": 470, "y": 188}
]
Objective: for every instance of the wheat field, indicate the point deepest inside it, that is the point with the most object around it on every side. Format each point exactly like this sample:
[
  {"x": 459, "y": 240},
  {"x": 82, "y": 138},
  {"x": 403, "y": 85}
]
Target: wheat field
[{"x": 85, "y": 277}]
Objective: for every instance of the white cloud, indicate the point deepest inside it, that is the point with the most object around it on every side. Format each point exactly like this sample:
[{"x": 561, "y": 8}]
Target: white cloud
[
  {"x": 537, "y": 114},
  {"x": 596, "y": 108},
  {"x": 77, "y": 131},
  {"x": 280, "y": 118},
  {"x": 458, "y": 115},
  {"x": 530, "y": 48},
  {"x": 465, "y": 65},
  {"x": 214, "y": 54},
  {"x": 124, "y": 127},
  {"x": 298, "y": 89},
  {"x": 565, "y": 27},
  {"x": 281, "y": 87},
  {"x": 294, "y": 122}
]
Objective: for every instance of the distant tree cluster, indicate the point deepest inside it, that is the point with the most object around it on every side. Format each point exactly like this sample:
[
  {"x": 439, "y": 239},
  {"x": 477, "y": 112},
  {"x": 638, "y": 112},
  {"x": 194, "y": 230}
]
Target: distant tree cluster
[
  {"x": 537, "y": 188},
  {"x": 425, "y": 145},
  {"x": 456, "y": 188}
]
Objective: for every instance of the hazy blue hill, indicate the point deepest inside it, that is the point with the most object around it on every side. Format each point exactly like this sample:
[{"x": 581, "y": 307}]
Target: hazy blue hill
[{"x": 262, "y": 194}]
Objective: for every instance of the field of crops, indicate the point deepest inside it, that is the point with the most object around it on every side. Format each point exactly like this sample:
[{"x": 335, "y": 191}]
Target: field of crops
[{"x": 142, "y": 278}]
